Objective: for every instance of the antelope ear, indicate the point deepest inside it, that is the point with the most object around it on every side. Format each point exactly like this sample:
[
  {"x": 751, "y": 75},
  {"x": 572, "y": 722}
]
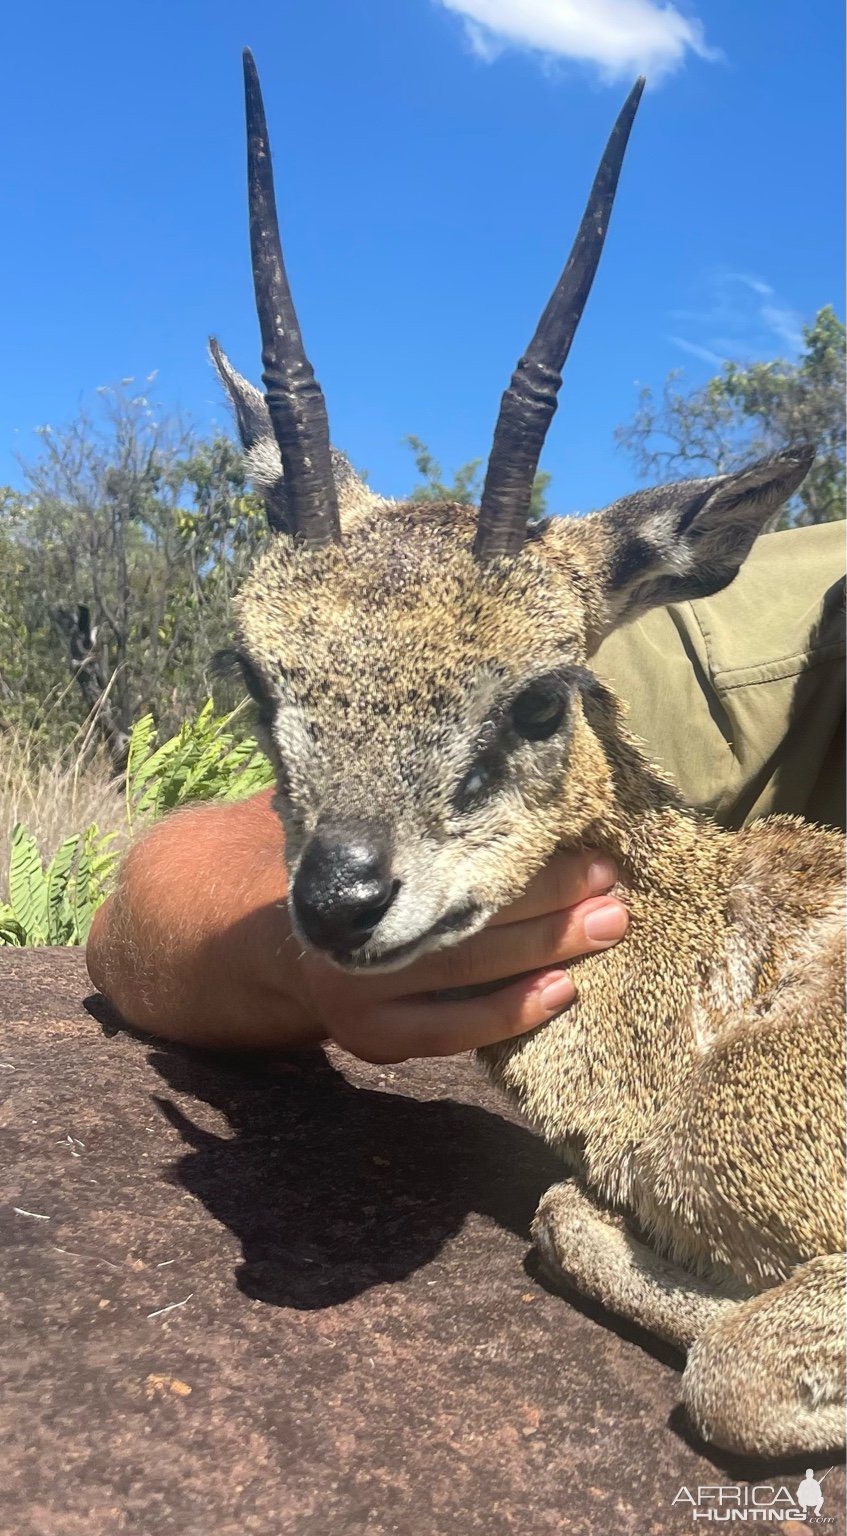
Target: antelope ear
[
  {"x": 683, "y": 541},
  {"x": 261, "y": 453},
  {"x": 248, "y": 402}
]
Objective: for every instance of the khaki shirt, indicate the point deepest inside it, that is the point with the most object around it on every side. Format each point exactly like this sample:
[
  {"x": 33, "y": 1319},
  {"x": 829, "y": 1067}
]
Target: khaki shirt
[{"x": 740, "y": 696}]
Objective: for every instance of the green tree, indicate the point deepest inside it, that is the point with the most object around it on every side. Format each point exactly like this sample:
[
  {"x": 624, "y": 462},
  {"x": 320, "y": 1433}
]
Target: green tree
[
  {"x": 748, "y": 411},
  {"x": 466, "y": 484},
  {"x": 118, "y": 562}
]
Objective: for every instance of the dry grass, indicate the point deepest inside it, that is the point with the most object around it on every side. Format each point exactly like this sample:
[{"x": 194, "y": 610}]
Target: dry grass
[{"x": 53, "y": 799}]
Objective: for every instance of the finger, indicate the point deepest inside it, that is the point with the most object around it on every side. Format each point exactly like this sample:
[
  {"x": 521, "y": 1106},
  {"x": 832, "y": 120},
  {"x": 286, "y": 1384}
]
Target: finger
[
  {"x": 568, "y": 878},
  {"x": 533, "y": 945},
  {"x": 416, "y": 1027}
]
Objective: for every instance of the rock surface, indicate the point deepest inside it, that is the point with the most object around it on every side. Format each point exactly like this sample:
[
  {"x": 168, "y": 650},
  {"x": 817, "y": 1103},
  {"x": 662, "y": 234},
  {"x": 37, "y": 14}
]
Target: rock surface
[{"x": 283, "y": 1295}]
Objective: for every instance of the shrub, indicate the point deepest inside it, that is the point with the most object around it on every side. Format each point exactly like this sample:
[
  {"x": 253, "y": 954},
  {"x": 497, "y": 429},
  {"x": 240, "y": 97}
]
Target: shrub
[{"x": 53, "y": 901}]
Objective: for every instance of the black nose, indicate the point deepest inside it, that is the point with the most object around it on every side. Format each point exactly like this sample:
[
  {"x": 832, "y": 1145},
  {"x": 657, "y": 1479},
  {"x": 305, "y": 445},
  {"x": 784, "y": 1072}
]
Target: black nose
[{"x": 342, "y": 889}]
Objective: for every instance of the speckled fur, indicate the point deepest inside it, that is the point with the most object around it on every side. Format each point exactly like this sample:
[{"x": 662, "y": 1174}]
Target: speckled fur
[{"x": 695, "y": 1090}]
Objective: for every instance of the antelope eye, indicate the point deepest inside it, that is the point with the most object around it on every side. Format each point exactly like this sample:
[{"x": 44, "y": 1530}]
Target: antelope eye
[{"x": 538, "y": 713}]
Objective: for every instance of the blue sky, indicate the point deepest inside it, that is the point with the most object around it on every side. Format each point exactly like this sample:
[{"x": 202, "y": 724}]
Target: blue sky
[{"x": 432, "y": 159}]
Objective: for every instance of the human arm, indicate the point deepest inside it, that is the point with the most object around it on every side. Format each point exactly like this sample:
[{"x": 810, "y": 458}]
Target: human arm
[{"x": 195, "y": 945}]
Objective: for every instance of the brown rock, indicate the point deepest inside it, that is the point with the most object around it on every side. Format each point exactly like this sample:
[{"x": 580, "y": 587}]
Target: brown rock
[{"x": 315, "y": 1313}]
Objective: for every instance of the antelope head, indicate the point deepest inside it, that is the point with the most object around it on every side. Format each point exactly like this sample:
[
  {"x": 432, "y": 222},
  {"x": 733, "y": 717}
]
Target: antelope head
[{"x": 420, "y": 672}]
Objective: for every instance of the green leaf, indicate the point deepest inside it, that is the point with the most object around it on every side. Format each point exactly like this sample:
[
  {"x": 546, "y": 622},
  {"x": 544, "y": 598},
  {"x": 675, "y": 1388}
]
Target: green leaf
[
  {"x": 140, "y": 742},
  {"x": 27, "y": 886},
  {"x": 60, "y": 918},
  {"x": 83, "y": 905},
  {"x": 11, "y": 931}
]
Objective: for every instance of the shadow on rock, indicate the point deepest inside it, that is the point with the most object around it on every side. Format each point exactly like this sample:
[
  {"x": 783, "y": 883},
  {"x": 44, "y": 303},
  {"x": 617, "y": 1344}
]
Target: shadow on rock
[
  {"x": 331, "y": 1188},
  {"x": 750, "y": 1469}
]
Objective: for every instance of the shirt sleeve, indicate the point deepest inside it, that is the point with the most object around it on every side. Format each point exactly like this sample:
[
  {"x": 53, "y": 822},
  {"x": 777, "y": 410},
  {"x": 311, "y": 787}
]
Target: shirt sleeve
[{"x": 740, "y": 696}]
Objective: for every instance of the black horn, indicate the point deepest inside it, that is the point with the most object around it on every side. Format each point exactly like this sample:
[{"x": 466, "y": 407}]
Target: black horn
[
  {"x": 295, "y": 401},
  {"x": 529, "y": 403}
]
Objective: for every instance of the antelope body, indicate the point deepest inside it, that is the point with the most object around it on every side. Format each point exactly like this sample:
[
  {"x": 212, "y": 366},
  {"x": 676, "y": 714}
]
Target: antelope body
[{"x": 423, "y": 688}]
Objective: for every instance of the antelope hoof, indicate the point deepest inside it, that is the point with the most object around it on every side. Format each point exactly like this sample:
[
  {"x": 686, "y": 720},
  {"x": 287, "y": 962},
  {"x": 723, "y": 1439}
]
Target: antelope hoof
[{"x": 567, "y": 1228}]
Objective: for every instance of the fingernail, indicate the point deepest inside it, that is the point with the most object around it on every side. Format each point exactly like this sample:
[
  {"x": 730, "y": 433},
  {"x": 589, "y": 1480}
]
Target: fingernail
[
  {"x": 602, "y": 874},
  {"x": 557, "y": 992},
  {"x": 605, "y": 924}
]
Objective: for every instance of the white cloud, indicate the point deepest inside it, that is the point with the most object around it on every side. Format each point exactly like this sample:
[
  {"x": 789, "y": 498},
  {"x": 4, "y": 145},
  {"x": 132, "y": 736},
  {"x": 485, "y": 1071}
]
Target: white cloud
[
  {"x": 755, "y": 284},
  {"x": 619, "y": 37},
  {"x": 786, "y": 324},
  {"x": 744, "y": 318},
  {"x": 705, "y": 354}
]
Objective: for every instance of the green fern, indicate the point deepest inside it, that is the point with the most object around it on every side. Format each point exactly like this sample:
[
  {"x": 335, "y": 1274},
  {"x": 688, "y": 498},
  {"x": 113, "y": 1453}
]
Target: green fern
[
  {"x": 204, "y": 761},
  {"x": 56, "y": 904},
  {"x": 11, "y": 931},
  {"x": 28, "y": 886},
  {"x": 61, "y": 918}
]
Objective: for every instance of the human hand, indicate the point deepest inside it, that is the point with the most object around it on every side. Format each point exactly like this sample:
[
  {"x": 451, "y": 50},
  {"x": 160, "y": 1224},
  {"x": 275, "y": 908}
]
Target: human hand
[
  {"x": 196, "y": 945},
  {"x": 391, "y": 1016}
]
